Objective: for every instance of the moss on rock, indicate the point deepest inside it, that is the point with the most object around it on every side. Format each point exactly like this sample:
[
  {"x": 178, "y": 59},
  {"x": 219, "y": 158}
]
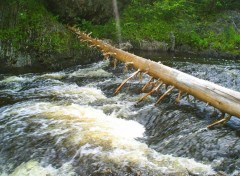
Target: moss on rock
[{"x": 31, "y": 36}]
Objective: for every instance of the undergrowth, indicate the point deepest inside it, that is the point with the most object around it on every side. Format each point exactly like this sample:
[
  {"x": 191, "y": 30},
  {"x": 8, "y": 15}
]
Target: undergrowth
[{"x": 194, "y": 23}]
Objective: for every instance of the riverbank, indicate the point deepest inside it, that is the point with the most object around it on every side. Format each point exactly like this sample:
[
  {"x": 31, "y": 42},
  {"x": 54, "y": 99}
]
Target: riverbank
[
  {"x": 33, "y": 34},
  {"x": 31, "y": 37},
  {"x": 177, "y": 27}
]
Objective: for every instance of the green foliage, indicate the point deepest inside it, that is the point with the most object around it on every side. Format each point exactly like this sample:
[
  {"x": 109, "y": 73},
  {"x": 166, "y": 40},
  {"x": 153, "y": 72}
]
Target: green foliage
[
  {"x": 35, "y": 29},
  {"x": 192, "y": 23},
  {"x": 228, "y": 40}
]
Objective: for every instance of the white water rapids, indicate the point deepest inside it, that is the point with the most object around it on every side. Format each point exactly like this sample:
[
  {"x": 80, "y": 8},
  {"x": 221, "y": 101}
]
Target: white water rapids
[{"x": 56, "y": 126}]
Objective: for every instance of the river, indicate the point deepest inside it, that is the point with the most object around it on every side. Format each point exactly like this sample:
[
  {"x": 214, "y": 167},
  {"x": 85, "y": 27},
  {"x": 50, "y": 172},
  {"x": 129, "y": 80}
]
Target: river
[{"x": 69, "y": 123}]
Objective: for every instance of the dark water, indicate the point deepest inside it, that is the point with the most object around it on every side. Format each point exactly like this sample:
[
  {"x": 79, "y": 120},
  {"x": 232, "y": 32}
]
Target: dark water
[{"x": 69, "y": 123}]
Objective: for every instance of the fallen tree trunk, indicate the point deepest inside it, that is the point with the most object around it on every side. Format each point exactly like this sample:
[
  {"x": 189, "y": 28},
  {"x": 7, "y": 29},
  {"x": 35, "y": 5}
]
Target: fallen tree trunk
[{"x": 226, "y": 100}]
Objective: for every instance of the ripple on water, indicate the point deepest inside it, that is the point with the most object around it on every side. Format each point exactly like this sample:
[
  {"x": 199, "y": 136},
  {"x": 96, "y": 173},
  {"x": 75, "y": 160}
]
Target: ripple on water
[
  {"x": 95, "y": 138},
  {"x": 96, "y": 70},
  {"x": 58, "y": 127},
  {"x": 34, "y": 168}
]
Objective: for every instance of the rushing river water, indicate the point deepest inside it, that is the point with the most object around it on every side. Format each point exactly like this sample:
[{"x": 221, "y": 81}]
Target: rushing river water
[{"x": 69, "y": 123}]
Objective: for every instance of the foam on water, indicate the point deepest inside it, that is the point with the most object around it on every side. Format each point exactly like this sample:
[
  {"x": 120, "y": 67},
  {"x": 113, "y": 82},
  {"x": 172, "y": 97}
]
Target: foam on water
[
  {"x": 15, "y": 79},
  {"x": 34, "y": 168},
  {"x": 14, "y": 83},
  {"x": 38, "y": 87},
  {"x": 95, "y": 71},
  {"x": 84, "y": 121},
  {"x": 90, "y": 73},
  {"x": 99, "y": 137},
  {"x": 57, "y": 75},
  {"x": 70, "y": 91}
]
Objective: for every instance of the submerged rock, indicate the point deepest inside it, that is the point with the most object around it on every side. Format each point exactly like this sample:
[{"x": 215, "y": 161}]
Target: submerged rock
[
  {"x": 153, "y": 45},
  {"x": 126, "y": 46}
]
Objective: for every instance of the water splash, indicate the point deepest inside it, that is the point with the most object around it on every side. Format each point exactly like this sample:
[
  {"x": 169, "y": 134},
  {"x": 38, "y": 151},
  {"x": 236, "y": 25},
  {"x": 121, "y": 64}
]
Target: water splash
[
  {"x": 92, "y": 137},
  {"x": 58, "y": 125},
  {"x": 117, "y": 18},
  {"x": 34, "y": 168}
]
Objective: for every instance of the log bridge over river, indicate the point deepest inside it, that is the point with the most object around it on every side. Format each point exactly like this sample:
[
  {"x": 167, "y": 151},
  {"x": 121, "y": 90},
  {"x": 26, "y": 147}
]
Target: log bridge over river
[{"x": 226, "y": 100}]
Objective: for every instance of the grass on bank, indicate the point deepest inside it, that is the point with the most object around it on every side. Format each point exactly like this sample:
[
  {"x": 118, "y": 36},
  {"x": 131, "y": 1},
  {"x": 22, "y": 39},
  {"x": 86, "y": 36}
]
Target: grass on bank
[
  {"x": 199, "y": 24},
  {"x": 27, "y": 25}
]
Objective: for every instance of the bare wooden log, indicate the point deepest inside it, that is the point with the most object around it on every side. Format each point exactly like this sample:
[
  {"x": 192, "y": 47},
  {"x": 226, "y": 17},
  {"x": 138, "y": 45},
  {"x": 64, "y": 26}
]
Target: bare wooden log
[{"x": 224, "y": 99}]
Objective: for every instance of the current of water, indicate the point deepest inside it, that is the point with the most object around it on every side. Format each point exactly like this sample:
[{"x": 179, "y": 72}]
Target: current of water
[{"x": 69, "y": 123}]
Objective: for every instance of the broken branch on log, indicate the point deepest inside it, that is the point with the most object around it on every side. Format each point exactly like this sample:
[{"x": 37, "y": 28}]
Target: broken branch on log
[
  {"x": 179, "y": 96},
  {"x": 114, "y": 63},
  {"x": 126, "y": 80},
  {"x": 127, "y": 64},
  {"x": 149, "y": 93},
  {"x": 164, "y": 95},
  {"x": 224, "y": 120},
  {"x": 147, "y": 84}
]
